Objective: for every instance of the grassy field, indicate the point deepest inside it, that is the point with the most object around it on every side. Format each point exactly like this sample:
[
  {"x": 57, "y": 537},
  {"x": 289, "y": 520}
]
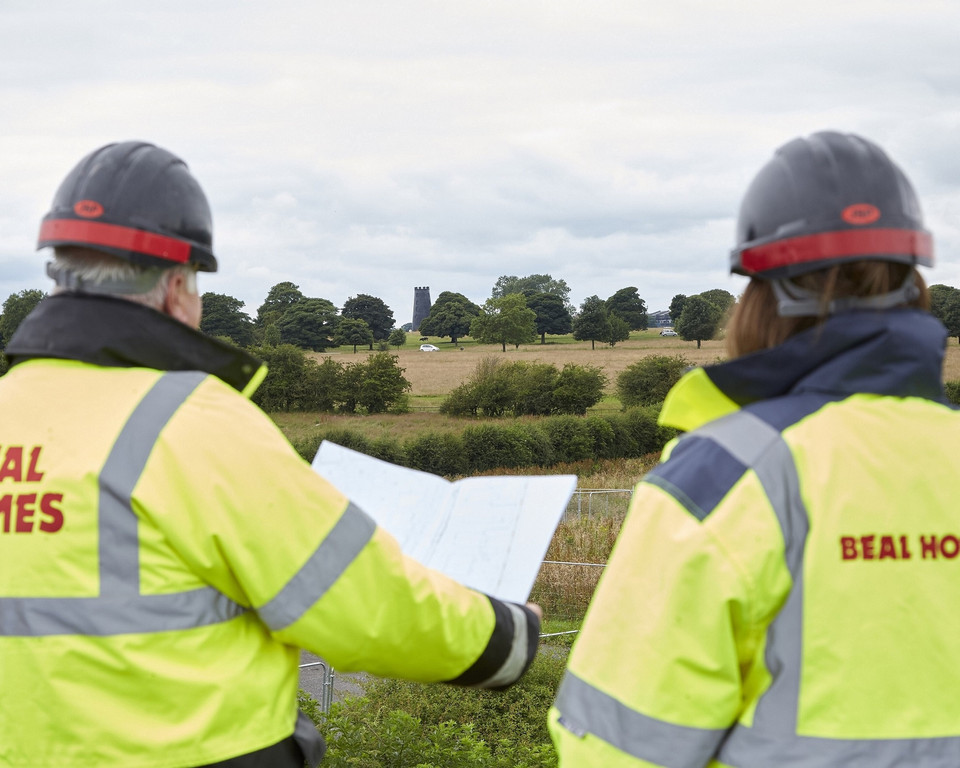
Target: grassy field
[{"x": 432, "y": 375}]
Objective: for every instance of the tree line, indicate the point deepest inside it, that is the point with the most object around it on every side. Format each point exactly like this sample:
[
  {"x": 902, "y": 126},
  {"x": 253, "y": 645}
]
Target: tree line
[{"x": 519, "y": 310}]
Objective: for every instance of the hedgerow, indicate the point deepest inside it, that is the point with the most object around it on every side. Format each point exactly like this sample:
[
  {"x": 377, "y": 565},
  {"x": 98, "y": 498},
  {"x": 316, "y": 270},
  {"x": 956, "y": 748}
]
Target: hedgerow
[{"x": 495, "y": 445}]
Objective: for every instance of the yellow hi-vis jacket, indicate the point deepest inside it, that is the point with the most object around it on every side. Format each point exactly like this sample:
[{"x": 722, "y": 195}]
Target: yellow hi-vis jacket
[
  {"x": 164, "y": 554},
  {"x": 784, "y": 590}
]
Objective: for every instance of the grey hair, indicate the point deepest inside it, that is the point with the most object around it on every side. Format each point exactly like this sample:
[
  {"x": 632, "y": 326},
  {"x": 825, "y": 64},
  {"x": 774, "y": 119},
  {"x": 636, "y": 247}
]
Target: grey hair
[{"x": 88, "y": 271}]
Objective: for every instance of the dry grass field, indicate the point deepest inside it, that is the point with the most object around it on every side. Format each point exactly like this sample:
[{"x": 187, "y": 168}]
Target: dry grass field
[{"x": 437, "y": 373}]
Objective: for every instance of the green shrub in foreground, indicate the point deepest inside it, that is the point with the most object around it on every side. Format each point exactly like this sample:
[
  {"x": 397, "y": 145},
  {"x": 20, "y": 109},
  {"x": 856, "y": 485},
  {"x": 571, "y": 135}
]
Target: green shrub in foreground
[
  {"x": 511, "y": 725},
  {"x": 361, "y": 735}
]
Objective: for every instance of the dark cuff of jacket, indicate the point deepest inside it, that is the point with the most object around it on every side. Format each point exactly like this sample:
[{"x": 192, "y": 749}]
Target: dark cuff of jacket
[{"x": 510, "y": 650}]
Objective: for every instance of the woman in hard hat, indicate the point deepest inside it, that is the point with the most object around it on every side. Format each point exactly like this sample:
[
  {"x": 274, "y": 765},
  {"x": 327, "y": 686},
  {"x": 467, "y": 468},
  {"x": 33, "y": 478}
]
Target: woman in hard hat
[{"x": 783, "y": 592}]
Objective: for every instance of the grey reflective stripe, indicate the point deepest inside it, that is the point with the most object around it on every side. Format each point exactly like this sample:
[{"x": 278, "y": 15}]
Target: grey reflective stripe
[
  {"x": 517, "y": 658},
  {"x": 762, "y": 448},
  {"x": 746, "y": 748},
  {"x": 119, "y": 608},
  {"x": 681, "y": 496},
  {"x": 338, "y": 549},
  {"x": 119, "y": 546},
  {"x": 98, "y": 616},
  {"x": 773, "y": 738},
  {"x": 585, "y": 709}
]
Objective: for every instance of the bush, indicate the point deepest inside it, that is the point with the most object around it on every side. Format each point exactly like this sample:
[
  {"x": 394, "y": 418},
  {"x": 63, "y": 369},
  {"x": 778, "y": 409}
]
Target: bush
[
  {"x": 492, "y": 447},
  {"x": 642, "y": 425},
  {"x": 376, "y": 385},
  {"x": 647, "y": 381},
  {"x": 624, "y": 443},
  {"x": 532, "y": 386},
  {"x": 308, "y": 446},
  {"x": 603, "y": 437},
  {"x": 526, "y": 389},
  {"x": 494, "y": 387},
  {"x": 292, "y": 382},
  {"x": 326, "y": 384},
  {"x": 439, "y": 453},
  {"x": 577, "y": 388},
  {"x": 387, "y": 449},
  {"x": 462, "y": 401},
  {"x": 570, "y": 437},
  {"x": 518, "y": 713},
  {"x": 536, "y": 443},
  {"x": 952, "y": 391},
  {"x": 383, "y": 387},
  {"x": 361, "y": 734},
  {"x": 352, "y": 440}
]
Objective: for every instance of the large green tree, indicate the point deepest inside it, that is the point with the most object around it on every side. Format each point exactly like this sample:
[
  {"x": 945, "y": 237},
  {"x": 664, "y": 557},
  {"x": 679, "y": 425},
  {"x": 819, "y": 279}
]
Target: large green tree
[
  {"x": 676, "y": 307},
  {"x": 699, "y": 320},
  {"x": 945, "y": 306},
  {"x": 530, "y": 285},
  {"x": 552, "y": 314},
  {"x": 723, "y": 299},
  {"x": 309, "y": 324},
  {"x": 224, "y": 316},
  {"x": 591, "y": 323},
  {"x": 16, "y": 307},
  {"x": 377, "y": 315},
  {"x": 450, "y": 315},
  {"x": 279, "y": 299},
  {"x": 352, "y": 331},
  {"x": 618, "y": 329},
  {"x": 507, "y": 320},
  {"x": 627, "y": 304}
]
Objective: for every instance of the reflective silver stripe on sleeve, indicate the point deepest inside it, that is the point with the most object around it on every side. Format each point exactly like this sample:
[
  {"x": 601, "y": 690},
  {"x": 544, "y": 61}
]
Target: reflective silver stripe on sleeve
[
  {"x": 517, "y": 658},
  {"x": 336, "y": 552},
  {"x": 119, "y": 608},
  {"x": 585, "y": 709}
]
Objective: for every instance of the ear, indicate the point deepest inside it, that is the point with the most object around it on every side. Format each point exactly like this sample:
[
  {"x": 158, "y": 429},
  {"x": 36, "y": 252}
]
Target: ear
[{"x": 181, "y": 303}]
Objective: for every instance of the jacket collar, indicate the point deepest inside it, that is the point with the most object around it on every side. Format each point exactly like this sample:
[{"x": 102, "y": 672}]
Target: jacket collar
[
  {"x": 116, "y": 333},
  {"x": 897, "y": 352}
]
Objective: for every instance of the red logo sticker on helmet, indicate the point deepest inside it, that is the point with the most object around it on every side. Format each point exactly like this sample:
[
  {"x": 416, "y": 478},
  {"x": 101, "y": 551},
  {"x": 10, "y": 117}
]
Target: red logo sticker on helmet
[
  {"x": 89, "y": 209},
  {"x": 860, "y": 213}
]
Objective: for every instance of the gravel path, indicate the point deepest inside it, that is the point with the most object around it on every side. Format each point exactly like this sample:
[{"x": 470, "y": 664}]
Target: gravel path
[{"x": 312, "y": 680}]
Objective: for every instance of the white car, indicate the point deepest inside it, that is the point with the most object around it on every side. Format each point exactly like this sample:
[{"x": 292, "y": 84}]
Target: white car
[
  {"x": 429, "y": 348},
  {"x": 668, "y": 332}
]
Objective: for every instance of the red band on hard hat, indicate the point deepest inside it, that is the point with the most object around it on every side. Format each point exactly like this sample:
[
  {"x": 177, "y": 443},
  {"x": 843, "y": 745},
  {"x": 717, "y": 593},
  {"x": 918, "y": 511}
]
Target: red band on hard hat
[
  {"x": 114, "y": 236},
  {"x": 847, "y": 243}
]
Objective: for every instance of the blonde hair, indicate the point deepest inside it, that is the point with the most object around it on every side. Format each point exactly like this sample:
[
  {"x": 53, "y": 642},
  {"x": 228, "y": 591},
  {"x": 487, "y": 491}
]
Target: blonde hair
[
  {"x": 101, "y": 271},
  {"x": 756, "y": 325}
]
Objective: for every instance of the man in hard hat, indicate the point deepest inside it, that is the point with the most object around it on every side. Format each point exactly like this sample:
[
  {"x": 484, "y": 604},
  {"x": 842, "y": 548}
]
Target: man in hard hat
[
  {"x": 164, "y": 552},
  {"x": 783, "y": 591}
]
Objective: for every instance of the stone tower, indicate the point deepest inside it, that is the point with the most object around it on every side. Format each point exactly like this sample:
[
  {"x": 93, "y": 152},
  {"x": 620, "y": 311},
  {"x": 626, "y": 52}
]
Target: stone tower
[{"x": 421, "y": 305}]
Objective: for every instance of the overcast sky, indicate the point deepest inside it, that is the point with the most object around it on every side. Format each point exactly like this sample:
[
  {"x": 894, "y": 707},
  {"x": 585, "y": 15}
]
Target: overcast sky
[{"x": 371, "y": 147}]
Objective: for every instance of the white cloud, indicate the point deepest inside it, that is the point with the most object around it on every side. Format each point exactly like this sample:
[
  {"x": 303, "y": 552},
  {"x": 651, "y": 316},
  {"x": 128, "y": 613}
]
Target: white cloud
[{"x": 373, "y": 146}]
